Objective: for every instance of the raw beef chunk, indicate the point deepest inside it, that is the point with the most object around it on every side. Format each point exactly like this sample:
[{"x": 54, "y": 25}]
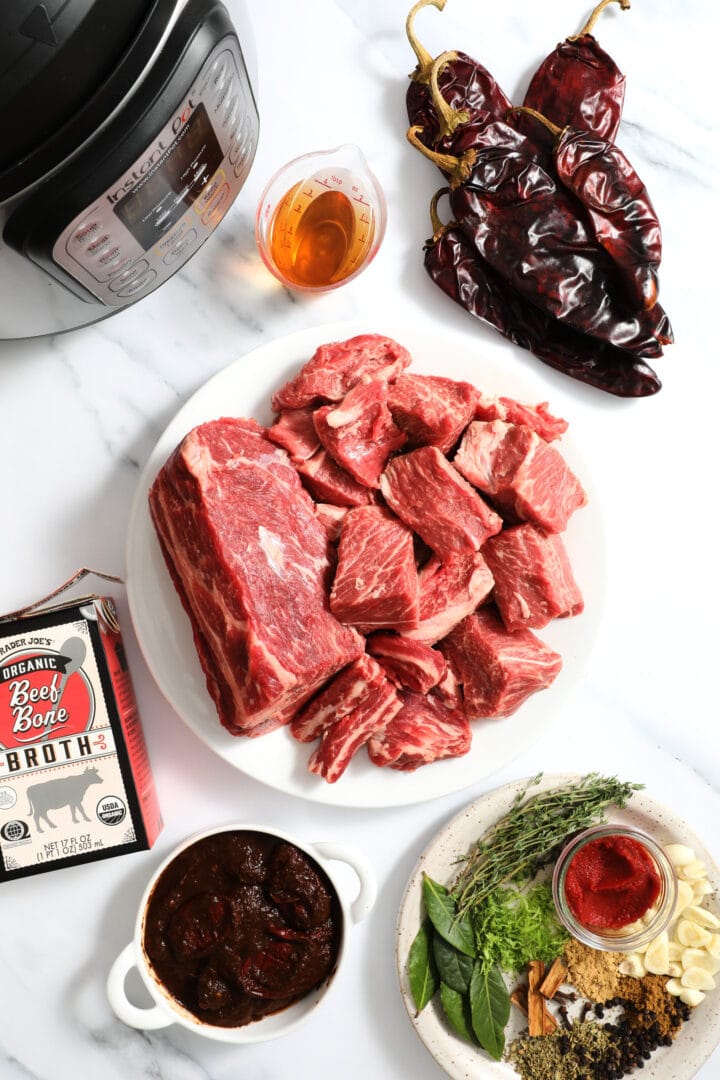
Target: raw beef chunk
[
  {"x": 343, "y": 738},
  {"x": 338, "y": 698},
  {"x": 430, "y": 496},
  {"x": 331, "y": 518},
  {"x": 534, "y": 581},
  {"x": 335, "y": 368},
  {"x": 359, "y": 433},
  {"x": 250, "y": 562},
  {"x": 412, "y": 664},
  {"x": 448, "y": 592},
  {"x": 424, "y": 730},
  {"x": 498, "y": 670},
  {"x": 432, "y": 410},
  {"x": 294, "y": 430},
  {"x": 327, "y": 482},
  {"x": 536, "y": 417},
  {"x": 376, "y": 583},
  {"x": 524, "y": 475}
]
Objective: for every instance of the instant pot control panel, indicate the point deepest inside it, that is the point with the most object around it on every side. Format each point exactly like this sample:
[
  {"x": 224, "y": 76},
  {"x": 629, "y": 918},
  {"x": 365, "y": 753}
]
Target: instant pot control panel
[{"x": 162, "y": 208}]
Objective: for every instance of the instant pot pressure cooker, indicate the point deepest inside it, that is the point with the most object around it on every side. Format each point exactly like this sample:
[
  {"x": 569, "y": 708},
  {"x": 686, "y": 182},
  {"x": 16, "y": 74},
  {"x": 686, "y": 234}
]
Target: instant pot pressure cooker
[{"x": 128, "y": 129}]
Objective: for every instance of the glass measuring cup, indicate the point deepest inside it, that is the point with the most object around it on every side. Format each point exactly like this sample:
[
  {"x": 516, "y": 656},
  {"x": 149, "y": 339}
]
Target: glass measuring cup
[{"x": 321, "y": 219}]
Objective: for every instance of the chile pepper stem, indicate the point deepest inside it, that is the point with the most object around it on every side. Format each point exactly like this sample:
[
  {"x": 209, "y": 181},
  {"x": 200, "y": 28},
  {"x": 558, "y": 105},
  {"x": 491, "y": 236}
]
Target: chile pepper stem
[
  {"x": 424, "y": 59},
  {"x": 595, "y": 15},
  {"x": 557, "y": 131},
  {"x": 437, "y": 226},
  {"x": 457, "y": 169},
  {"x": 450, "y": 119}
]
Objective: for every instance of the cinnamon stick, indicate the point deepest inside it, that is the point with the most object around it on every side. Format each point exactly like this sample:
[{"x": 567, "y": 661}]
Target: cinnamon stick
[
  {"x": 555, "y": 977},
  {"x": 536, "y": 1002}
]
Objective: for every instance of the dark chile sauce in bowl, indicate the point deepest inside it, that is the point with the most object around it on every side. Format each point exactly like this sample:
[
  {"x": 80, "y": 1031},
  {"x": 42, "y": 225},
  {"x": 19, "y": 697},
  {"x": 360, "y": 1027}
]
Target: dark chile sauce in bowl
[{"x": 239, "y": 925}]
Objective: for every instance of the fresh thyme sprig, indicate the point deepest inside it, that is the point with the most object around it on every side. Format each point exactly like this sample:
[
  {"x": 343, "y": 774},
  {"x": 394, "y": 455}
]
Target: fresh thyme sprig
[{"x": 529, "y": 836}]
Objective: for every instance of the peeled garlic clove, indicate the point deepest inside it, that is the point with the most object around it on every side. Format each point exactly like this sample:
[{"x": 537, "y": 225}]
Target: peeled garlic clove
[
  {"x": 691, "y": 997},
  {"x": 697, "y": 978},
  {"x": 685, "y": 896},
  {"x": 700, "y": 888},
  {"x": 702, "y": 917},
  {"x": 692, "y": 871},
  {"x": 675, "y": 951},
  {"x": 657, "y": 955},
  {"x": 679, "y": 854},
  {"x": 675, "y": 969},
  {"x": 692, "y": 956},
  {"x": 713, "y": 945},
  {"x": 633, "y": 966},
  {"x": 692, "y": 934},
  {"x": 675, "y": 987}
]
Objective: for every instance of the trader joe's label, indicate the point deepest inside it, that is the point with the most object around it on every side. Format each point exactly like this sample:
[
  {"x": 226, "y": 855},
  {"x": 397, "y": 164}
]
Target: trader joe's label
[{"x": 73, "y": 770}]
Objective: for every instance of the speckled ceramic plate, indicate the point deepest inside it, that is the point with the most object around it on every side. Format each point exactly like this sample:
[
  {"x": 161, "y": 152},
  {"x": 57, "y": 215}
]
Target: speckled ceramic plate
[
  {"x": 163, "y": 629},
  {"x": 461, "y": 1061}
]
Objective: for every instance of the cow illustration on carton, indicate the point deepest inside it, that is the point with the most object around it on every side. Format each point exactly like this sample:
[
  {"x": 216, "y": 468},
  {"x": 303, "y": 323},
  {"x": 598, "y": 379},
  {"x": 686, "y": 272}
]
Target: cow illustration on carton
[{"x": 64, "y": 791}]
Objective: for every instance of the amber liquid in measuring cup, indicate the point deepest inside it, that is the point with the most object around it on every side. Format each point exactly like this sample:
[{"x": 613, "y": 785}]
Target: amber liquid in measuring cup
[
  {"x": 318, "y": 243},
  {"x": 324, "y": 227}
]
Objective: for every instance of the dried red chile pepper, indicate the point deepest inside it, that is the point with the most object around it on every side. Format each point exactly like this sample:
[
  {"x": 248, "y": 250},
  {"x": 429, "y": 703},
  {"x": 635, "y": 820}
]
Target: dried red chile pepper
[
  {"x": 469, "y": 89},
  {"x": 579, "y": 84},
  {"x": 622, "y": 216},
  {"x": 529, "y": 230},
  {"x": 455, "y": 266}
]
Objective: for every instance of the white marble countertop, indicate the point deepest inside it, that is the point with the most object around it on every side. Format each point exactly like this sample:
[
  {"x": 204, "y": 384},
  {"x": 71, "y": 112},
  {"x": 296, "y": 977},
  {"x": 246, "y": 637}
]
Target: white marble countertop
[{"x": 80, "y": 414}]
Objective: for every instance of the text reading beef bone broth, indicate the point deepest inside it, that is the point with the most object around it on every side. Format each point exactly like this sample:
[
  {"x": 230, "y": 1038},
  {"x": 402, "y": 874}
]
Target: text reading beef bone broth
[
  {"x": 75, "y": 780},
  {"x": 372, "y": 517}
]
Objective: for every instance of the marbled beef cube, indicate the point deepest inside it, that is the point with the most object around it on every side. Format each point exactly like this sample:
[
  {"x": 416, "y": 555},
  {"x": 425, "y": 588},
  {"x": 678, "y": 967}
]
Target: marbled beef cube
[
  {"x": 343, "y": 738},
  {"x": 411, "y": 664},
  {"x": 534, "y": 582},
  {"x": 432, "y": 410},
  {"x": 424, "y": 730},
  {"x": 376, "y": 582},
  {"x": 359, "y": 433},
  {"x": 431, "y": 497},
  {"x": 294, "y": 430},
  {"x": 328, "y": 482},
  {"x": 335, "y": 368},
  {"x": 498, "y": 670},
  {"x": 522, "y": 474},
  {"x": 449, "y": 591},
  {"x": 337, "y": 698}
]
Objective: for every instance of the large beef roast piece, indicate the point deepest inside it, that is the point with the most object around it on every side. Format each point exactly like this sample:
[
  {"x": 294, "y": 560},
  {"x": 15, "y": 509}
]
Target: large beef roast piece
[{"x": 250, "y": 561}]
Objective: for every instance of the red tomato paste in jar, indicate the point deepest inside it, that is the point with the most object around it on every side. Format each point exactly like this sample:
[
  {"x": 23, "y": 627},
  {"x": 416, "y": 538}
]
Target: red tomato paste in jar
[{"x": 611, "y": 882}]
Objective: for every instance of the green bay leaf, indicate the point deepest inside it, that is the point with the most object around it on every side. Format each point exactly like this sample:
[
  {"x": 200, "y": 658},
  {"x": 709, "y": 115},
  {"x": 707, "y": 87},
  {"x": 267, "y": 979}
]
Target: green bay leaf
[
  {"x": 454, "y": 968},
  {"x": 457, "y": 1010},
  {"x": 489, "y": 1008},
  {"x": 442, "y": 910},
  {"x": 422, "y": 971}
]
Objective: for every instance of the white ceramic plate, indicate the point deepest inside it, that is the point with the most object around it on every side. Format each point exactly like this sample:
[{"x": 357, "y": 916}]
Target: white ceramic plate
[
  {"x": 163, "y": 630},
  {"x": 461, "y": 1061}
]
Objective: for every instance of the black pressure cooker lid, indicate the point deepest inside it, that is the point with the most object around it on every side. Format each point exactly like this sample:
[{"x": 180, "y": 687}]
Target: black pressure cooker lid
[{"x": 53, "y": 57}]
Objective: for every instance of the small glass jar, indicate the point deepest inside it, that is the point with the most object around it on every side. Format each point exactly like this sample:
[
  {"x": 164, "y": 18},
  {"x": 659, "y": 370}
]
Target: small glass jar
[{"x": 634, "y": 935}]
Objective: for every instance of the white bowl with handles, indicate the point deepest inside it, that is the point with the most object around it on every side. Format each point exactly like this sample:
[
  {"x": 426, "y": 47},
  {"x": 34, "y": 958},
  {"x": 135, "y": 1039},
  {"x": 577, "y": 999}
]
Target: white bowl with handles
[{"x": 166, "y": 1010}]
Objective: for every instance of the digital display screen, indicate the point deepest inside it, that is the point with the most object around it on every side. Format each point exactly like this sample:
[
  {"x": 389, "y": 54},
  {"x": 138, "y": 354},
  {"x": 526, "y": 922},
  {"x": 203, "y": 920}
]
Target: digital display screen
[{"x": 172, "y": 182}]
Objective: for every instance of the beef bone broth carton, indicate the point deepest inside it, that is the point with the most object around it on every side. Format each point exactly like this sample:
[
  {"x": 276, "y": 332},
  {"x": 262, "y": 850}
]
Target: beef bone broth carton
[{"x": 75, "y": 780}]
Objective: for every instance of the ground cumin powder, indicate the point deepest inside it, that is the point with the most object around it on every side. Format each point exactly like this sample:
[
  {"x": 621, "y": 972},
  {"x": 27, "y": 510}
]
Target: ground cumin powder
[{"x": 596, "y": 976}]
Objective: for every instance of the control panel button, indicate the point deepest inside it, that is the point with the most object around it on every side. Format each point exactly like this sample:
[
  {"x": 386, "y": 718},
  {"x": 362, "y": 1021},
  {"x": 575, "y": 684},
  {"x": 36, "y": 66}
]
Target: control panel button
[
  {"x": 232, "y": 110},
  {"x": 182, "y": 246},
  {"x": 137, "y": 284},
  {"x": 119, "y": 281},
  {"x": 85, "y": 233},
  {"x": 214, "y": 210}
]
